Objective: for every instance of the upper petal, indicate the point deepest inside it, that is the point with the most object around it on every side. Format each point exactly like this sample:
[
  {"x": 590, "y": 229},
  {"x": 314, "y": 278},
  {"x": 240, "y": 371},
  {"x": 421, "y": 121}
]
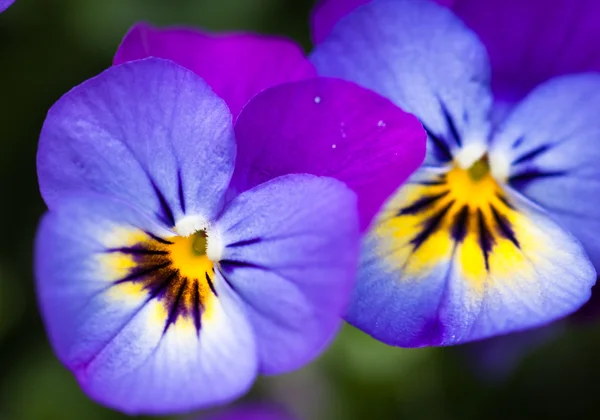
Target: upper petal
[
  {"x": 548, "y": 149},
  {"x": 150, "y": 132},
  {"x": 425, "y": 60},
  {"x": 327, "y": 13},
  {"x": 236, "y": 66},
  {"x": 448, "y": 263},
  {"x": 532, "y": 41},
  {"x": 121, "y": 317},
  {"x": 329, "y": 127},
  {"x": 291, "y": 247}
]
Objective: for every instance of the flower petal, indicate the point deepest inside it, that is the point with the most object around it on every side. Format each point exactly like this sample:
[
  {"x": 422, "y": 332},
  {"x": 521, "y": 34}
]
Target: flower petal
[
  {"x": 548, "y": 150},
  {"x": 327, "y": 13},
  {"x": 532, "y": 41},
  {"x": 236, "y": 66},
  {"x": 293, "y": 263},
  {"x": 425, "y": 60},
  {"x": 149, "y": 132},
  {"x": 111, "y": 323},
  {"x": 437, "y": 271},
  {"x": 4, "y": 4},
  {"x": 333, "y": 128}
]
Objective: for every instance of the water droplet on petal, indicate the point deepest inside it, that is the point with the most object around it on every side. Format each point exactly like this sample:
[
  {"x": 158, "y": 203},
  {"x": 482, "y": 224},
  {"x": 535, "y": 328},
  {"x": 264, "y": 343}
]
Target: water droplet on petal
[
  {"x": 381, "y": 123},
  {"x": 317, "y": 99},
  {"x": 333, "y": 146}
]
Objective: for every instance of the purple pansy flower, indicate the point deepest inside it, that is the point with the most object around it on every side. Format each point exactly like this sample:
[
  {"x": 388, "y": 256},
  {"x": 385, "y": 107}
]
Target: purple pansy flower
[
  {"x": 5, "y": 4},
  {"x": 494, "y": 233},
  {"x": 171, "y": 268}
]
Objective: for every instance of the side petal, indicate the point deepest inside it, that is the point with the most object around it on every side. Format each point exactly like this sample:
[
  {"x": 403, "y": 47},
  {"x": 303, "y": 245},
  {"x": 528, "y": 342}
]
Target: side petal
[
  {"x": 423, "y": 58},
  {"x": 329, "y": 127},
  {"x": 532, "y": 41},
  {"x": 236, "y": 66},
  {"x": 435, "y": 272},
  {"x": 548, "y": 150},
  {"x": 293, "y": 263},
  {"x": 107, "y": 305},
  {"x": 149, "y": 132}
]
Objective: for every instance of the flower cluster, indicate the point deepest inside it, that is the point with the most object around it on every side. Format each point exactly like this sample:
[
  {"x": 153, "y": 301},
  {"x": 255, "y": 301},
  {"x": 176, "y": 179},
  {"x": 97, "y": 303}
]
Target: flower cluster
[{"x": 218, "y": 204}]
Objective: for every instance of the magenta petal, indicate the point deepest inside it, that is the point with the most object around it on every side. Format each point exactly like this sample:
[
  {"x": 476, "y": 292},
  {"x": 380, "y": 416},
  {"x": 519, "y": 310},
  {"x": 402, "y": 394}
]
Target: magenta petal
[
  {"x": 328, "y": 12},
  {"x": 236, "y": 66},
  {"x": 332, "y": 128},
  {"x": 531, "y": 41}
]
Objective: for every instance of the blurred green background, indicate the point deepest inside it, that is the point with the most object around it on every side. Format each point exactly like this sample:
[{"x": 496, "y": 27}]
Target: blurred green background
[{"x": 49, "y": 46}]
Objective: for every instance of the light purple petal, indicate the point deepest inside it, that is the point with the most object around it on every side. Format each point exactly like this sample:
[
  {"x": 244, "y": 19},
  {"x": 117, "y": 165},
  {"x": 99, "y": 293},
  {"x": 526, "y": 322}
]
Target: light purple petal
[
  {"x": 150, "y": 132},
  {"x": 423, "y": 58},
  {"x": 548, "y": 149},
  {"x": 532, "y": 41},
  {"x": 327, "y": 13},
  {"x": 331, "y": 128},
  {"x": 117, "y": 337},
  {"x": 5, "y": 4},
  {"x": 236, "y": 66},
  {"x": 292, "y": 262}
]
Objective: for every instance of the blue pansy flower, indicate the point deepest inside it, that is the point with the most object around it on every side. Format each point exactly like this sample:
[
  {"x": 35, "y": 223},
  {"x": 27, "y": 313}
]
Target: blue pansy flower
[
  {"x": 495, "y": 233},
  {"x": 160, "y": 291}
]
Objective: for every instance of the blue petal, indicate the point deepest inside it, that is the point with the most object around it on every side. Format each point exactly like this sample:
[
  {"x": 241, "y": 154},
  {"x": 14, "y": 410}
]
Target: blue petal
[
  {"x": 293, "y": 263},
  {"x": 149, "y": 132},
  {"x": 425, "y": 60},
  {"x": 440, "y": 276},
  {"x": 548, "y": 150},
  {"x": 115, "y": 333}
]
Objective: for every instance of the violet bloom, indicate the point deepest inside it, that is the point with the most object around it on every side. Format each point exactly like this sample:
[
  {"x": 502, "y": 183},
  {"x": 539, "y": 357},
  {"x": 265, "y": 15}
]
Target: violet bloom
[
  {"x": 169, "y": 274},
  {"x": 494, "y": 233}
]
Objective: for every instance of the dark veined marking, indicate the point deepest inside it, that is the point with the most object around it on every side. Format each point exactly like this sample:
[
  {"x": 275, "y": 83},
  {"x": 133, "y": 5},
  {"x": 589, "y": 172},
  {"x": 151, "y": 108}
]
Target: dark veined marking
[
  {"x": 459, "y": 227},
  {"x": 523, "y": 178},
  {"x": 180, "y": 191},
  {"x": 155, "y": 271},
  {"x": 245, "y": 242},
  {"x": 430, "y": 226},
  {"x": 532, "y": 154},
  {"x": 423, "y": 203},
  {"x": 167, "y": 215},
  {"x": 486, "y": 240},
  {"x": 464, "y": 219},
  {"x": 441, "y": 148},
  {"x": 504, "y": 227},
  {"x": 450, "y": 124}
]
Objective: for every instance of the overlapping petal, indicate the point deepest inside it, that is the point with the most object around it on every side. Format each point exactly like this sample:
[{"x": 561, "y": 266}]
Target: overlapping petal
[
  {"x": 236, "y": 66},
  {"x": 333, "y": 128},
  {"x": 113, "y": 324},
  {"x": 149, "y": 132},
  {"x": 532, "y": 41},
  {"x": 437, "y": 270},
  {"x": 547, "y": 149},
  {"x": 293, "y": 263},
  {"x": 423, "y": 58},
  {"x": 528, "y": 42}
]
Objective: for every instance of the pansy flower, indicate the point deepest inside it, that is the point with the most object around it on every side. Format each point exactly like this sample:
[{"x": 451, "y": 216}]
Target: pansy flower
[
  {"x": 495, "y": 232},
  {"x": 175, "y": 263}
]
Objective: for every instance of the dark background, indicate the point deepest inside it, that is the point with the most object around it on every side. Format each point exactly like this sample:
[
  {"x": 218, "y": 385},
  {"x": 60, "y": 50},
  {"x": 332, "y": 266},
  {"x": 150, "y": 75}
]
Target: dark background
[{"x": 49, "y": 46}]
